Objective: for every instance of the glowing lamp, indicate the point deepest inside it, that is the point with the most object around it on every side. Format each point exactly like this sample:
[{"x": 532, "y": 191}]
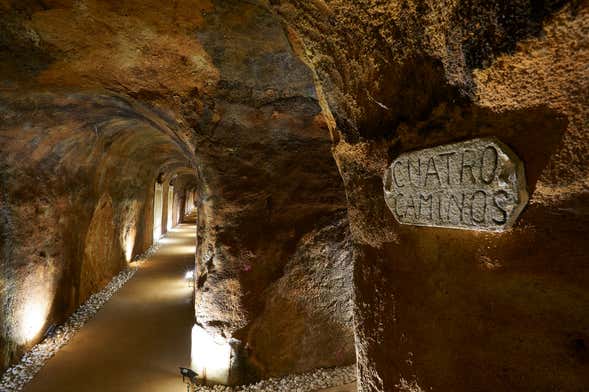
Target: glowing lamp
[
  {"x": 129, "y": 243},
  {"x": 33, "y": 320},
  {"x": 210, "y": 355},
  {"x": 31, "y": 310},
  {"x": 30, "y": 319}
]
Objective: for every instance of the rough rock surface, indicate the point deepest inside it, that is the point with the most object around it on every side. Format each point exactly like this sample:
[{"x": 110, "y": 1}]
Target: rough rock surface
[
  {"x": 447, "y": 309},
  {"x": 266, "y": 177},
  {"x": 17, "y": 376},
  {"x": 101, "y": 99},
  {"x": 314, "y": 295},
  {"x": 74, "y": 200},
  {"x": 248, "y": 102}
]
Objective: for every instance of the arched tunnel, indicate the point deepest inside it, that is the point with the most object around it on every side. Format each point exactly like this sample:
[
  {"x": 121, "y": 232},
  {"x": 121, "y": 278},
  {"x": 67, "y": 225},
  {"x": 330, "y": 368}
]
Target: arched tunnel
[{"x": 288, "y": 195}]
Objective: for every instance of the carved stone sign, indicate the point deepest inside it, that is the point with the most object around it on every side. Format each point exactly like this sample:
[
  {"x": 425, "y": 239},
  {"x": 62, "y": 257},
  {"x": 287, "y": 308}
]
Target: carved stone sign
[{"x": 475, "y": 185}]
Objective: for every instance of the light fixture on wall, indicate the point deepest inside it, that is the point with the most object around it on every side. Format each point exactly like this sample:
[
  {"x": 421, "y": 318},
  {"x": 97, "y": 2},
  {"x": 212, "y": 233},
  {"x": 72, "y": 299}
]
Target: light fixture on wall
[{"x": 189, "y": 276}]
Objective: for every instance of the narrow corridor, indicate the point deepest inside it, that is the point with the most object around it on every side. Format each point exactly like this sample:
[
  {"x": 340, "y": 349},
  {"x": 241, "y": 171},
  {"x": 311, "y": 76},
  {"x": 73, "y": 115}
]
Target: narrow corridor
[
  {"x": 140, "y": 337},
  {"x": 391, "y": 195}
]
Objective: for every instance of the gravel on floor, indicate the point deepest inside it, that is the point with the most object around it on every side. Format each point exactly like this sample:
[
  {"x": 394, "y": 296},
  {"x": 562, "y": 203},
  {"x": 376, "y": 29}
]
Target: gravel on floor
[
  {"x": 304, "y": 382},
  {"x": 18, "y": 375}
]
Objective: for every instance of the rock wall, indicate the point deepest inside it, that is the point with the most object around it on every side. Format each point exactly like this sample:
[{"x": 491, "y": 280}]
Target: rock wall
[
  {"x": 248, "y": 103},
  {"x": 100, "y": 98},
  {"x": 445, "y": 309},
  {"x": 267, "y": 176},
  {"x": 75, "y": 197},
  {"x": 313, "y": 296}
]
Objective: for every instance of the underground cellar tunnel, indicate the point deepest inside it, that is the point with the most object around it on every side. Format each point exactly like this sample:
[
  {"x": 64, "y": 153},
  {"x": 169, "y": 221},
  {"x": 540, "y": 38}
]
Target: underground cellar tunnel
[{"x": 294, "y": 195}]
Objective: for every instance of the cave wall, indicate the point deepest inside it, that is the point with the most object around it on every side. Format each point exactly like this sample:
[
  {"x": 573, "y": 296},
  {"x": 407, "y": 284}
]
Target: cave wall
[
  {"x": 117, "y": 92},
  {"x": 313, "y": 296},
  {"x": 79, "y": 153},
  {"x": 249, "y": 103},
  {"x": 76, "y": 203},
  {"x": 445, "y": 309},
  {"x": 267, "y": 178}
]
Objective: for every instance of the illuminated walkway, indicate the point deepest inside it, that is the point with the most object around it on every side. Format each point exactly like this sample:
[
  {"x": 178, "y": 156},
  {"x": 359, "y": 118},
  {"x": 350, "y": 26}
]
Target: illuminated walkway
[{"x": 140, "y": 337}]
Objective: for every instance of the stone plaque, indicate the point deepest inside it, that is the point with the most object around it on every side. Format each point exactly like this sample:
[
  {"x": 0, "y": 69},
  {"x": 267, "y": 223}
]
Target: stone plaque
[{"x": 475, "y": 185}]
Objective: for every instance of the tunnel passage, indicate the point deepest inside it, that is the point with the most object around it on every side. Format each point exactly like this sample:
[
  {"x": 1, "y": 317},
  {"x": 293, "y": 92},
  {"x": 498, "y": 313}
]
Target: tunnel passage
[
  {"x": 87, "y": 169},
  {"x": 215, "y": 98},
  {"x": 276, "y": 121}
]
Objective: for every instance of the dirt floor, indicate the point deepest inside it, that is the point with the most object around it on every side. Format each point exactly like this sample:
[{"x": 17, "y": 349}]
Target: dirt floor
[{"x": 140, "y": 337}]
